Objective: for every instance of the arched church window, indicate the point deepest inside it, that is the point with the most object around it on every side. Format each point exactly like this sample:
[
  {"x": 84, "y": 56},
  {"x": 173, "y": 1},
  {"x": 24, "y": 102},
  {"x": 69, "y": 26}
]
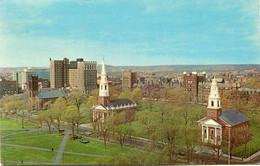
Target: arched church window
[
  {"x": 105, "y": 87},
  {"x": 212, "y": 103},
  {"x": 218, "y": 103}
]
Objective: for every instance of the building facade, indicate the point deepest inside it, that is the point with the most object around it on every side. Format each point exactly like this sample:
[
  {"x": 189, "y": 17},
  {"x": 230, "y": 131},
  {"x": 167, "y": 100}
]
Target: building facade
[
  {"x": 106, "y": 107},
  {"x": 7, "y": 87},
  {"x": 23, "y": 76},
  {"x": 77, "y": 74},
  {"x": 221, "y": 125},
  {"x": 191, "y": 81},
  {"x": 129, "y": 78}
]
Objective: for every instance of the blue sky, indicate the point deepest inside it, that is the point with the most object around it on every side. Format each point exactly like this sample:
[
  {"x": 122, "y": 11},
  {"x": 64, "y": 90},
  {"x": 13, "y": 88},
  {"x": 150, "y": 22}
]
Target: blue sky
[{"x": 129, "y": 32}]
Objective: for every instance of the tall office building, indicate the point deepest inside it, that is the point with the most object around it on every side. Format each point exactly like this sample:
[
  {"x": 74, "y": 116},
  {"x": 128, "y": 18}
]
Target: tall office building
[
  {"x": 23, "y": 76},
  {"x": 77, "y": 74}
]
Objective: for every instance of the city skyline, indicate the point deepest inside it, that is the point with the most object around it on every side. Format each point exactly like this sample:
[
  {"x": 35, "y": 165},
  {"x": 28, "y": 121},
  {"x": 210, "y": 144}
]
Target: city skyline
[{"x": 137, "y": 33}]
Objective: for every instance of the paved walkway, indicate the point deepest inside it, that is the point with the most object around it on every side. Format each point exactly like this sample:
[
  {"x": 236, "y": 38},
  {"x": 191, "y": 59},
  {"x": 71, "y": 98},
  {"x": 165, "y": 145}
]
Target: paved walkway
[
  {"x": 20, "y": 132},
  {"x": 28, "y": 137},
  {"x": 62, "y": 147}
]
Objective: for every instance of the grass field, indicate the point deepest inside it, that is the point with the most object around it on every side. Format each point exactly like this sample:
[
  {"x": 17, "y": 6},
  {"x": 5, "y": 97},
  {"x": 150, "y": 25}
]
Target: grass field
[
  {"x": 12, "y": 153},
  {"x": 77, "y": 159},
  {"x": 5, "y": 132},
  {"x": 47, "y": 142},
  {"x": 29, "y": 133},
  {"x": 93, "y": 147},
  {"x": 11, "y": 123}
]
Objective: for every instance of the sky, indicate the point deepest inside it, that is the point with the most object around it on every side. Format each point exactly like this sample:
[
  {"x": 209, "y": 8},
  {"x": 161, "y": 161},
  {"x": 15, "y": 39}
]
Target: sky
[{"x": 129, "y": 32}]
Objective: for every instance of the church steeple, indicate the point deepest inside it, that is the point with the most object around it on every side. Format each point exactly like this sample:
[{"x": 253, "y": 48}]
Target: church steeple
[
  {"x": 104, "y": 97},
  {"x": 214, "y": 105}
]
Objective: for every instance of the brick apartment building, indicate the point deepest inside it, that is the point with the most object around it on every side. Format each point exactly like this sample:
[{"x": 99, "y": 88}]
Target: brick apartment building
[
  {"x": 129, "y": 78},
  {"x": 7, "y": 87},
  {"x": 77, "y": 74},
  {"x": 191, "y": 81}
]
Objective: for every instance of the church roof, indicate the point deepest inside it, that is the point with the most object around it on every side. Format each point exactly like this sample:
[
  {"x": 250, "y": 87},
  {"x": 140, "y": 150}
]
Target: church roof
[
  {"x": 119, "y": 102},
  {"x": 51, "y": 94},
  {"x": 233, "y": 117}
]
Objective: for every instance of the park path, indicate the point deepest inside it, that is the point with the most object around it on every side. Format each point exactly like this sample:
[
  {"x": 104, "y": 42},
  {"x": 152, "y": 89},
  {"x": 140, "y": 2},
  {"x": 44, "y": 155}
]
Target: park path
[
  {"x": 20, "y": 132},
  {"x": 62, "y": 147},
  {"x": 28, "y": 137}
]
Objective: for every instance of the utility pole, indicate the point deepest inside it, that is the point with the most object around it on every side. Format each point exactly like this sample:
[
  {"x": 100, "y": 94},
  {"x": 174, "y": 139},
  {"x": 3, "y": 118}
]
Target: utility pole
[{"x": 229, "y": 146}]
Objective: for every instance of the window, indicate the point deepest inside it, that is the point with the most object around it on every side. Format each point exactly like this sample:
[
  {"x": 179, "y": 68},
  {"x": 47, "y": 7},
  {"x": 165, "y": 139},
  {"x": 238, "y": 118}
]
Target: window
[
  {"x": 205, "y": 131},
  {"x": 211, "y": 131},
  {"x": 218, "y": 103},
  {"x": 105, "y": 87},
  {"x": 212, "y": 103}
]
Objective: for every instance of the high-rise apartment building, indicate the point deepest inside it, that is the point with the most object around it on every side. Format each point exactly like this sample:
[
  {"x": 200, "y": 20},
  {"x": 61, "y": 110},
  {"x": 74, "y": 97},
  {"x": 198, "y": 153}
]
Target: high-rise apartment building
[
  {"x": 77, "y": 74},
  {"x": 129, "y": 78},
  {"x": 191, "y": 81}
]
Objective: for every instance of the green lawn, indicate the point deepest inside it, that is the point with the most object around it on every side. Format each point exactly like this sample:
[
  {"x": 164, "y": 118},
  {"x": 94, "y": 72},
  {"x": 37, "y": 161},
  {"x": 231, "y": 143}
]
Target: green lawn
[
  {"x": 77, "y": 159},
  {"x": 11, "y": 123},
  {"x": 254, "y": 144},
  {"x": 47, "y": 142},
  {"x": 28, "y": 133},
  {"x": 12, "y": 153},
  {"x": 93, "y": 147},
  {"x": 5, "y": 132}
]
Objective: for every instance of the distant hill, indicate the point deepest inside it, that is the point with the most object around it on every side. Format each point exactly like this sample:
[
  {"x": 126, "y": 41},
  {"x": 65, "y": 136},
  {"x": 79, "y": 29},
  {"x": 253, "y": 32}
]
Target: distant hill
[{"x": 163, "y": 69}]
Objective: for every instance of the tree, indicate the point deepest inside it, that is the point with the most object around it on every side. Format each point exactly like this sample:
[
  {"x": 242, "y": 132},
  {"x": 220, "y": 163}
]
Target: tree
[
  {"x": 149, "y": 121},
  {"x": 164, "y": 142},
  {"x": 91, "y": 101},
  {"x": 76, "y": 98},
  {"x": 115, "y": 91},
  {"x": 104, "y": 128},
  {"x": 120, "y": 129},
  {"x": 31, "y": 104},
  {"x": 164, "y": 109},
  {"x": 59, "y": 108},
  {"x": 137, "y": 95},
  {"x": 71, "y": 117},
  {"x": 47, "y": 116},
  {"x": 126, "y": 95}
]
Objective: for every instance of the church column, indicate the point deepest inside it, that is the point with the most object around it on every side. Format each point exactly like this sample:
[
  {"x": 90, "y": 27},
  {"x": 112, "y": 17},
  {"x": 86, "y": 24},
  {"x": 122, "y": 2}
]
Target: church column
[
  {"x": 215, "y": 135},
  {"x": 207, "y": 133},
  {"x": 202, "y": 133}
]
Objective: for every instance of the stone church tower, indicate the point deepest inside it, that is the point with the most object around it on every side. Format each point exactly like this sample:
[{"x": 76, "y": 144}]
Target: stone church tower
[{"x": 104, "y": 98}]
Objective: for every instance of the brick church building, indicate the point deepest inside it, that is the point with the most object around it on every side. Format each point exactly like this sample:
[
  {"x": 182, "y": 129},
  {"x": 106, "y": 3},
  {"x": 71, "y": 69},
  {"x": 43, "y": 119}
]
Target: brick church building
[
  {"x": 106, "y": 107},
  {"x": 221, "y": 125}
]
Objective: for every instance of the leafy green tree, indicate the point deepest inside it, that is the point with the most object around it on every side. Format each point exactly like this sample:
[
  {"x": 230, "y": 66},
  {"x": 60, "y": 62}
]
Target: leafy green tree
[
  {"x": 104, "y": 127},
  {"x": 71, "y": 117},
  {"x": 48, "y": 117},
  {"x": 59, "y": 108},
  {"x": 120, "y": 128},
  {"x": 77, "y": 98},
  {"x": 148, "y": 120},
  {"x": 137, "y": 95},
  {"x": 126, "y": 95},
  {"x": 91, "y": 101}
]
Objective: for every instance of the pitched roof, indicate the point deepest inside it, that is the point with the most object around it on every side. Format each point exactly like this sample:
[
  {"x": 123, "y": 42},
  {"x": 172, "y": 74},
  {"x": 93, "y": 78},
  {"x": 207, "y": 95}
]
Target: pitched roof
[
  {"x": 51, "y": 94},
  {"x": 119, "y": 102},
  {"x": 233, "y": 117}
]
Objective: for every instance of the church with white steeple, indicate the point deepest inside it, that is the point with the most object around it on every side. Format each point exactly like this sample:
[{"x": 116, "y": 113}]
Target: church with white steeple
[
  {"x": 218, "y": 124},
  {"x": 106, "y": 107}
]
